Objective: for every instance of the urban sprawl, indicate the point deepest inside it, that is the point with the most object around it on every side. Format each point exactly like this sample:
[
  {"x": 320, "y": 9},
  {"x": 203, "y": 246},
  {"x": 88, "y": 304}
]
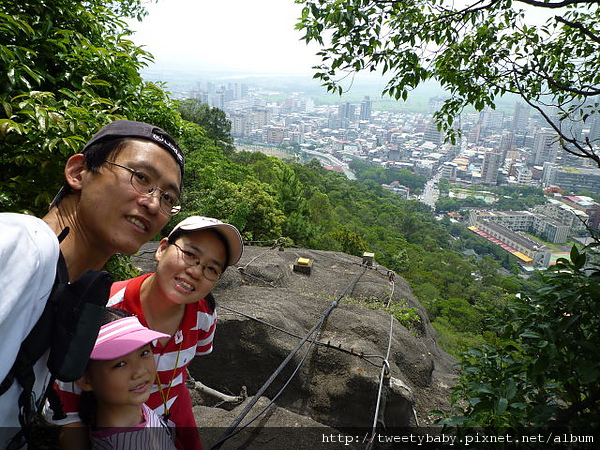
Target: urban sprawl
[{"x": 496, "y": 148}]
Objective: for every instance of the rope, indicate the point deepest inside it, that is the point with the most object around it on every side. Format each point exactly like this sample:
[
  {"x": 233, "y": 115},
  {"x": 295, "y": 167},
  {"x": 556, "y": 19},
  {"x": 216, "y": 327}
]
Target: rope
[
  {"x": 289, "y": 333},
  {"x": 241, "y": 269},
  {"x": 272, "y": 401},
  {"x": 391, "y": 293},
  {"x": 379, "y": 269},
  {"x": 385, "y": 373},
  {"x": 268, "y": 283},
  {"x": 229, "y": 432}
]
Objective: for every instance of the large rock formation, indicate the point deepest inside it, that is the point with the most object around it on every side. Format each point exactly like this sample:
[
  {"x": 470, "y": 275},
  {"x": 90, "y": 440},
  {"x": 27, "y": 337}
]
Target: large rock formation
[{"x": 266, "y": 308}]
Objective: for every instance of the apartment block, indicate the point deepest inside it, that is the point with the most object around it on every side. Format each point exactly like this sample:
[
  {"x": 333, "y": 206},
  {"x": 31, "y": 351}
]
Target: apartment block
[
  {"x": 529, "y": 251},
  {"x": 586, "y": 205},
  {"x": 571, "y": 217}
]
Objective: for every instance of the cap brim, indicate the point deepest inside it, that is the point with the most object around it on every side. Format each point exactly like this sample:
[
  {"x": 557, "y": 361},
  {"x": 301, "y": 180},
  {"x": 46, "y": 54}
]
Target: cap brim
[
  {"x": 231, "y": 234},
  {"x": 123, "y": 345}
]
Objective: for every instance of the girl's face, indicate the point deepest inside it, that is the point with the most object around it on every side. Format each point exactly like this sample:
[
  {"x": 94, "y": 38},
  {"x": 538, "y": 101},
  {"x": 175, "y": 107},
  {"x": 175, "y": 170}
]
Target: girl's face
[
  {"x": 183, "y": 283},
  {"x": 124, "y": 381}
]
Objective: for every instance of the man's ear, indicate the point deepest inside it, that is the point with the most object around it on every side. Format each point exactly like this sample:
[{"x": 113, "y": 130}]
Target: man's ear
[
  {"x": 85, "y": 383},
  {"x": 160, "y": 251},
  {"x": 74, "y": 169}
]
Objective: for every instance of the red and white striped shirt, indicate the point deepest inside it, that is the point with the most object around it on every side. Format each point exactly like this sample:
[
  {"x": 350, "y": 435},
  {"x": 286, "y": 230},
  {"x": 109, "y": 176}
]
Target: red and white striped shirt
[{"x": 194, "y": 337}]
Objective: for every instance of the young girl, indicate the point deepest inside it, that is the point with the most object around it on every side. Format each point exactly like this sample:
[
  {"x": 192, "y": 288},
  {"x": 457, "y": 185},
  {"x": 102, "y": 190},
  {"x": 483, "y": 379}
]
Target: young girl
[
  {"x": 116, "y": 384},
  {"x": 174, "y": 300}
]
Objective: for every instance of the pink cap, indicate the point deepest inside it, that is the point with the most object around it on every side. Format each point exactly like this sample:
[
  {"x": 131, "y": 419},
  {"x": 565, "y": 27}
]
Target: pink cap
[{"x": 121, "y": 337}]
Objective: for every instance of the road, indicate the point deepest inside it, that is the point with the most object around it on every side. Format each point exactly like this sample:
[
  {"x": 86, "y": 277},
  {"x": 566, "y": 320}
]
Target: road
[
  {"x": 332, "y": 160},
  {"x": 431, "y": 192}
]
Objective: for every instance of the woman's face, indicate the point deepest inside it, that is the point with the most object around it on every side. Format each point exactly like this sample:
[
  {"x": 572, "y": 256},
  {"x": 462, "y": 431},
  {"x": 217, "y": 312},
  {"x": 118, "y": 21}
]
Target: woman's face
[{"x": 181, "y": 282}]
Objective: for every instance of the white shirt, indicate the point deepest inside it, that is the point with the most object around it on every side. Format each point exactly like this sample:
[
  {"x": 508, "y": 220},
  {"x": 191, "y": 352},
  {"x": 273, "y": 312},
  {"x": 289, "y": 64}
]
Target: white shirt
[{"x": 28, "y": 257}]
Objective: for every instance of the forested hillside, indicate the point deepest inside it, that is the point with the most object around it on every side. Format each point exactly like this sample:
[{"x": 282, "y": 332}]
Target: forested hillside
[
  {"x": 67, "y": 70},
  {"x": 309, "y": 206}
]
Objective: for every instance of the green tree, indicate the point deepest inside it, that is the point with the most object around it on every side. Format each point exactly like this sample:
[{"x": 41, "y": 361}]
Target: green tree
[
  {"x": 458, "y": 312},
  {"x": 544, "y": 370},
  {"x": 249, "y": 206},
  {"x": 293, "y": 203},
  {"x": 320, "y": 208},
  {"x": 213, "y": 121},
  {"x": 349, "y": 241},
  {"x": 477, "y": 50},
  {"x": 444, "y": 186},
  {"x": 66, "y": 69}
]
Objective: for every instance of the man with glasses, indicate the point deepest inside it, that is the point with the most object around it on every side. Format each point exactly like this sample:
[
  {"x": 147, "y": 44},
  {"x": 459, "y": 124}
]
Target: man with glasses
[
  {"x": 119, "y": 192},
  {"x": 175, "y": 300}
]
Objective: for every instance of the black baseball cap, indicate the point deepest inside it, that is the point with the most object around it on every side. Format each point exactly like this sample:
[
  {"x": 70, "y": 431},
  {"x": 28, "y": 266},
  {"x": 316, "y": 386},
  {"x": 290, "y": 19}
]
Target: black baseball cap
[{"x": 142, "y": 130}]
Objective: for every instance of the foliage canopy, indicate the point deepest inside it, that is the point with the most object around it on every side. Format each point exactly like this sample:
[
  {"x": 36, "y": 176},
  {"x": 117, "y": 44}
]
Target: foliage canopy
[
  {"x": 477, "y": 50},
  {"x": 66, "y": 69},
  {"x": 544, "y": 371}
]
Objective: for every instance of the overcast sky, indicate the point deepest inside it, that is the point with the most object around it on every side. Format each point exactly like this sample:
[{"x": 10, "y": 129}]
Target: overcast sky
[{"x": 243, "y": 35}]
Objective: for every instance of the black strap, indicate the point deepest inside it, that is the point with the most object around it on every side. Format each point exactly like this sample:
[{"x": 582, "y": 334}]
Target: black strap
[
  {"x": 25, "y": 359},
  {"x": 68, "y": 326}
]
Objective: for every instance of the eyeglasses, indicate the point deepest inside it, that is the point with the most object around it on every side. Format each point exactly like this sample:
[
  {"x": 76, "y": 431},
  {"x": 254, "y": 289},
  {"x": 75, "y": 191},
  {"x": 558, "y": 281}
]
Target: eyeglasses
[
  {"x": 168, "y": 201},
  {"x": 191, "y": 259}
]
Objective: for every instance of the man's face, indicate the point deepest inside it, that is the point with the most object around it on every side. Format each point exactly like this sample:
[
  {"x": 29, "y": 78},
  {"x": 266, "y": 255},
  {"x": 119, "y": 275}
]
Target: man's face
[{"x": 115, "y": 216}]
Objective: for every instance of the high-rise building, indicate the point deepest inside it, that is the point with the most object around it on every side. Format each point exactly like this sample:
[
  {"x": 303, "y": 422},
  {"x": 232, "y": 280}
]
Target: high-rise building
[
  {"x": 545, "y": 146},
  {"x": 432, "y": 134},
  {"x": 571, "y": 179},
  {"x": 490, "y": 167},
  {"x": 506, "y": 145},
  {"x": 366, "y": 107},
  {"x": 448, "y": 170},
  {"x": 491, "y": 120},
  {"x": 474, "y": 134},
  {"x": 520, "y": 117},
  {"x": 239, "y": 125},
  {"x": 435, "y": 103},
  {"x": 261, "y": 117},
  {"x": 347, "y": 111},
  {"x": 523, "y": 175},
  {"x": 594, "y": 133}
]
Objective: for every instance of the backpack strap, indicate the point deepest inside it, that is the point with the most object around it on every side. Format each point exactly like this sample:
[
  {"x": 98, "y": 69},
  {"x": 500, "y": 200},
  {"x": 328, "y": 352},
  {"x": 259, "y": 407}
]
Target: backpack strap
[
  {"x": 32, "y": 349},
  {"x": 38, "y": 340},
  {"x": 68, "y": 328}
]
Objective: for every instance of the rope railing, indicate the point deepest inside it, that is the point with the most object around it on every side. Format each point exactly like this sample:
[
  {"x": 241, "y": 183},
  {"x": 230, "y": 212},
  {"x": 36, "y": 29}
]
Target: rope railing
[
  {"x": 385, "y": 375},
  {"x": 317, "y": 343},
  {"x": 382, "y": 393},
  {"x": 230, "y": 432}
]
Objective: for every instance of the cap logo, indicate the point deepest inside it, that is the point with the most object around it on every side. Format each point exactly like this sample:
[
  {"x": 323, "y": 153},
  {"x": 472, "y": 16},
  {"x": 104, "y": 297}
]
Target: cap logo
[
  {"x": 167, "y": 142},
  {"x": 133, "y": 129}
]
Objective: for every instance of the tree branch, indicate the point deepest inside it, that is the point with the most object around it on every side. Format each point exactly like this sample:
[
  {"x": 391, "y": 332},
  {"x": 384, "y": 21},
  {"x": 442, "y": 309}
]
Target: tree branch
[
  {"x": 580, "y": 27},
  {"x": 538, "y": 3},
  {"x": 219, "y": 395},
  {"x": 563, "y": 418},
  {"x": 582, "y": 152},
  {"x": 561, "y": 4}
]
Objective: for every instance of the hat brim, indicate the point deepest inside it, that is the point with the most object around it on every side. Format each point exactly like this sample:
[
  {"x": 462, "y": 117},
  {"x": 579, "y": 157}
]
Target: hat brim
[
  {"x": 229, "y": 232},
  {"x": 123, "y": 345}
]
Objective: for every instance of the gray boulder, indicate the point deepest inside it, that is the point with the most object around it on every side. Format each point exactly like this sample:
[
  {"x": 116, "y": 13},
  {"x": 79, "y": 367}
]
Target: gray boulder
[{"x": 269, "y": 303}]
